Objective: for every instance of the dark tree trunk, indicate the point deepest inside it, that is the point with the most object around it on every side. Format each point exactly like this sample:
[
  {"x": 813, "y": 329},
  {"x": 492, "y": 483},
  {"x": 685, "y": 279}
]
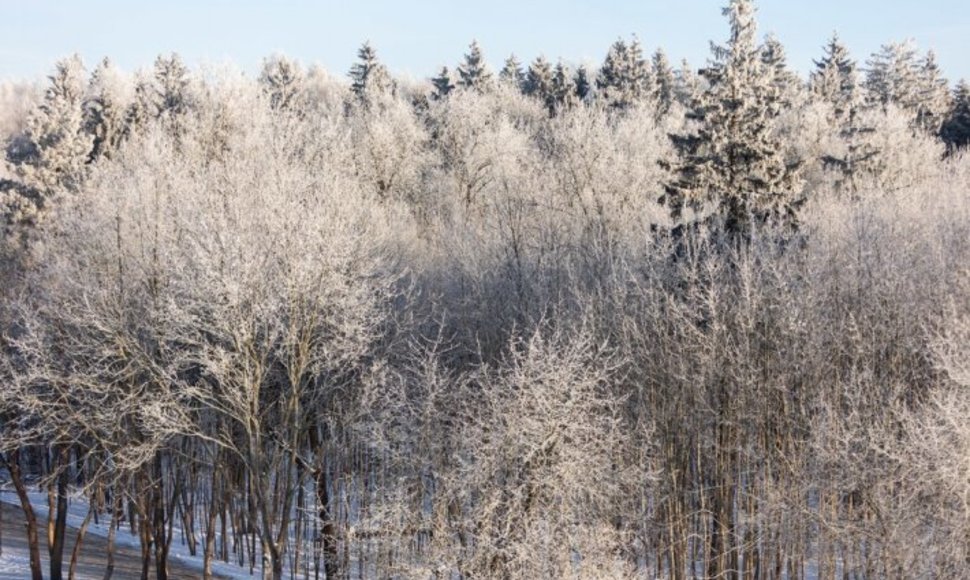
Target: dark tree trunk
[
  {"x": 33, "y": 538},
  {"x": 59, "y": 529}
]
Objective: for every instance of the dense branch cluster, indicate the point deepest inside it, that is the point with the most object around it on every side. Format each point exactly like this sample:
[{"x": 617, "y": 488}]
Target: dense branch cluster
[{"x": 543, "y": 323}]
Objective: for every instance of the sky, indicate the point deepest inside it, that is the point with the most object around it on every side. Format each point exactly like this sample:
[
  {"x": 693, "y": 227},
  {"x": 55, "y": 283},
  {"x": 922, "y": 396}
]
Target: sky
[{"x": 416, "y": 37}]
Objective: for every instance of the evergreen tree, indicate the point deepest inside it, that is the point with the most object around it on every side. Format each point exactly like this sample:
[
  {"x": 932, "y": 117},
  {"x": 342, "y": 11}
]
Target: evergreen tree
[
  {"x": 563, "y": 89},
  {"x": 511, "y": 73},
  {"x": 56, "y": 148},
  {"x": 584, "y": 87},
  {"x": 955, "y": 131},
  {"x": 369, "y": 76},
  {"x": 282, "y": 80},
  {"x": 934, "y": 96},
  {"x": 688, "y": 85},
  {"x": 664, "y": 82},
  {"x": 473, "y": 73},
  {"x": 734, "y": 159},
  {"x": 893, "y": 77},
  {"x": 443, "y": 84},
  {"x": 835, "y": 79},
  {"x": 171, "y": 86},
  {"x": 142, "y": 109},
  {"x": 104, "y": 111},
  {"x": 539, "y": 81},
  {"x": 624, "y": 78},
  {"x": 775, "y": 62}
]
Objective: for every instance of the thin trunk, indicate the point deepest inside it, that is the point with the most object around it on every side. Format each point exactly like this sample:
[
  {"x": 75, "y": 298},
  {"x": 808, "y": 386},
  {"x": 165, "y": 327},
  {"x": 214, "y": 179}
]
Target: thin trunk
[
  {"x": 33, "y": 534},
  {"x": 57, "y": 523},
  {"x": 76, "y": 552},
  {"x": 116, "y": 511}
]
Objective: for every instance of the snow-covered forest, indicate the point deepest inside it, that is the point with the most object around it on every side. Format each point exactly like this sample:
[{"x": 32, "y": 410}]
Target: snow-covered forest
[{"x": 642, "y": 320}]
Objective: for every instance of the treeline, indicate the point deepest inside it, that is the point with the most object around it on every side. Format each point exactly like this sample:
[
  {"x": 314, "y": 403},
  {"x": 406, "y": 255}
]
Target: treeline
[{"x": 544, "y": 323}]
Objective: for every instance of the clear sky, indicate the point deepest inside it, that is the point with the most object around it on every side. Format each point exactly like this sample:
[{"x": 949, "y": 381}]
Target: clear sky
[{"x": 415, "y": 37}]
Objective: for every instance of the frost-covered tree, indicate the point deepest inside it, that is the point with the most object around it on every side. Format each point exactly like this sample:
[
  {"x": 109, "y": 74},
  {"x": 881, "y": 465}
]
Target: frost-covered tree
[
  {"x": 171, "y": 87},
  {"x": 473, "y": 73},
  {"x": 775, "y": 61},
  {"x": 56, "y": 148},
  {"x": 664, "y": 93},
  {"x": 443, "y": 84},
  {"x": 688, "y": 84},
  {"x": 540, "y": 81},
  {"x": 893, "y": 77},
  {"x": 734, "y": 159},
  {"x": 281, "y": 80},
  {"x": 624, "y": 78},
  {"x": 368, "y": 75},
  {"x": 511, "y": 73},
  {"x": 563, "y": 88},
  {"x": 105, "y": 110},
  {"x": 934, "y": 95},
  {"x": 835, "y": 79},
  {"x": 584, "y": 84},
  {"x": 955, "y": 131}
]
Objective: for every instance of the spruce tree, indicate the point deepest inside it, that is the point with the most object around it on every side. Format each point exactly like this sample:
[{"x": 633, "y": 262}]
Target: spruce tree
[
  {"x": 171, "y": 86},
  {"x": 624, "y": 78},
  {"x": 584, "y": 87},
  {"x": 664, "y": 92},
  {"x": 835, "y": 79},
  {"x": 563, "y": 89},
  {"x": 104, "y": 112},
  {"x": 775, "y": 62},
  {"x": 734, "y": 160},
  {"x": 539, "y": 81},
  {"x": 443, "y": 85},
  {"x": 368, "y": 75},
  {"x": 56, "y": 146},
  {"x": 511, "y": 73},
  {"x": 956, "y": 128},
  {"x": 281, "y": 79},
  {"x": 934, "y": 96},
  {"x": 893, "y": 77},
  {"x": 473, "y": 73}
]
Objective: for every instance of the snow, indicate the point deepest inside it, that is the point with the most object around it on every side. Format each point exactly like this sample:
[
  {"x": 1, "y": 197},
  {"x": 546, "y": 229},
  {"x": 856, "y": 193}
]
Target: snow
[{"x": 15, "y": 565}]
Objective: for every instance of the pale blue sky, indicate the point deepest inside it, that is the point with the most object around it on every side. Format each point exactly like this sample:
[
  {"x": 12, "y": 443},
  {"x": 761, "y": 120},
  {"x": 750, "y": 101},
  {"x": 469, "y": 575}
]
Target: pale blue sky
[{"x": 415, "y": 37}]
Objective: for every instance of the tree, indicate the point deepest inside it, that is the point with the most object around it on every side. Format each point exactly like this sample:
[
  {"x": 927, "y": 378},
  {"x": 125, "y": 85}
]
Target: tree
[
  {"x": 511, "y": 73},
  {"x": 172, "y": 98},
  {"x": 563, "y": 89},
  {"x": 893, "y": 77},
  {"x": 934, "y": 96},
  {"x": 955, "y": 131},
  {"x": 835, "y": 79},
  {"x": 104, "y": 110},
  {"x": 664, "y": 93},
  {"x": 734, "y": 158},
  {"x": 443, "y": 84},
  {"x": 624, "y": 78},
  {"x": 52, "y": 158},
  {"x": 281, "y": 79},
  {"x": 775, "y": 62},
  {"x": 539, "y": 82},
  {"x": 368, "y": 75},
  {"x": 473, "y": 73},
  {"x": 584, "y": 86}
]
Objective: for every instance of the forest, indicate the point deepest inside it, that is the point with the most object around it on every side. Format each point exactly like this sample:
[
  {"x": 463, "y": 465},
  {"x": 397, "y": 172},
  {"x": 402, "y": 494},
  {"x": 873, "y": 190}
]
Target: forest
[{"x": 638, "y": 321}]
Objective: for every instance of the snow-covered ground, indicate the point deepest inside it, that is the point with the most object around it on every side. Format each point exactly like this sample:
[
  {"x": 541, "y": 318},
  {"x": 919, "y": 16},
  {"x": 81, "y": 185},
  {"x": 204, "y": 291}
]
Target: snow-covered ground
[{"x": 15, "y": 565}]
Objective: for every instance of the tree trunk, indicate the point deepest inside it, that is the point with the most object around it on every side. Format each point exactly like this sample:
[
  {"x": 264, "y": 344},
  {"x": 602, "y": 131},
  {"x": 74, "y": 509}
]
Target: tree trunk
[
  {"x": 115, "y": 515},
  {"x": 33, "y": 538},
  {"x": 76, "y": 552},
  {"x": 57, "y": 528}
]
